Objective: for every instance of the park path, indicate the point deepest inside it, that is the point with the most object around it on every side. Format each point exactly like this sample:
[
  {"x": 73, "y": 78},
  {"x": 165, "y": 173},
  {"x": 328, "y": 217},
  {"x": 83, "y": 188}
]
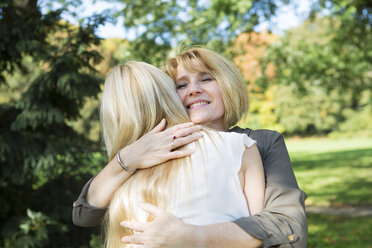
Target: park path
[{"x": 341, "y": 211}]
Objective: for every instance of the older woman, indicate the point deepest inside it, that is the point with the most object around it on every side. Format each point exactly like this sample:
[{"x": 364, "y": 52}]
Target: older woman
[
  {"x": 196, "y": 72},
  {"x": 222, "y": 181}
]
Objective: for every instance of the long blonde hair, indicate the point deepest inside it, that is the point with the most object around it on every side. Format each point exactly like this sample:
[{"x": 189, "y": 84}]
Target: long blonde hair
[
  {"x": 135, "y": 98},
  {"x": 231, "y": 82}
]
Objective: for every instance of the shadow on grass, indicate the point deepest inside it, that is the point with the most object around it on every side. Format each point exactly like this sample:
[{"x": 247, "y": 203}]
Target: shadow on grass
[
  {"x": 306, "y": 161},
  {"x": 338, "y": 178},
  {"x": 354, "y": 193}
]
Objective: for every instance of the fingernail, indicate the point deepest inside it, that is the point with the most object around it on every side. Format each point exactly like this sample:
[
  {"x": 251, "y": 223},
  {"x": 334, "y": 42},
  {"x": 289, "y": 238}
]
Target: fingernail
[
  {"x": 123, "y": 240},
  {"x": 124, "y": 223}
]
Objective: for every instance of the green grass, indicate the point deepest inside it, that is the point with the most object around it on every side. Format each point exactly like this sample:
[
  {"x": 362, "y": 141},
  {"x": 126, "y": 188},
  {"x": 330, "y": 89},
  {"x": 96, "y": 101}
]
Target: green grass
[
  {"x": 333, "y": 172},
  {"x": 340, "y": 232}
]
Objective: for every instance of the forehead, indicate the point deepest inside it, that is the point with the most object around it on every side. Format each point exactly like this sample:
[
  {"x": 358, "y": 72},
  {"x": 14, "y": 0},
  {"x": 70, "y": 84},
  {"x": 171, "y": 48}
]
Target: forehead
[{"x": 190, "y": 66}]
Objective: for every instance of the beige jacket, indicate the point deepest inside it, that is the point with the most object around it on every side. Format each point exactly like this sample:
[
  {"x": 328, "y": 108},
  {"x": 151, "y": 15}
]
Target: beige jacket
[{"x": 282, "y": 223}]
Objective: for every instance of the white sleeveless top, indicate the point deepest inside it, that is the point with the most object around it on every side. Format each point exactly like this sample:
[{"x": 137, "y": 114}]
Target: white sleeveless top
[{"x": 213, "y": 193}]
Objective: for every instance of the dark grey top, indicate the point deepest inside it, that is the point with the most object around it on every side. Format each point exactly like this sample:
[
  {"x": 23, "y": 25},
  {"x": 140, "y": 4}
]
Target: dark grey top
[{"x": 282, "y": 223}]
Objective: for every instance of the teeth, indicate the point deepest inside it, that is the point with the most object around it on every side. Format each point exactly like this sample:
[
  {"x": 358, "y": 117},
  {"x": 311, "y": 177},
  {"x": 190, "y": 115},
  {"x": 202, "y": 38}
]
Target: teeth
[{"x": 198, "y": 103}]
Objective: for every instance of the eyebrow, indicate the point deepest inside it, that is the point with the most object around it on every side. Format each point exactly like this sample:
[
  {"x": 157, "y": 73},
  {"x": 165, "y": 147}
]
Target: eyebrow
[
  {"x": 185, "y": 77},
  {"x": 181, "y": 78}
]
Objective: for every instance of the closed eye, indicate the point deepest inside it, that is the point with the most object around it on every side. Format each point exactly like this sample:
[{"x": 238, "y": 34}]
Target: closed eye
[
  {"x": 181, "y": 85},
  {"x": 206, "y": 79}
]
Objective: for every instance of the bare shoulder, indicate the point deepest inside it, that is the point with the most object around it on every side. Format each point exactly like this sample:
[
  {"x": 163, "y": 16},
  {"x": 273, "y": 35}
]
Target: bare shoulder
[{"x": 251, "y": 157}]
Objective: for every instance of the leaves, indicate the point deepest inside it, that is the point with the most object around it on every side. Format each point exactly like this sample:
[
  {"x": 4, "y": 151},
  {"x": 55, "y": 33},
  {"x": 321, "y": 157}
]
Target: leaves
[
  {"x": 162, "y": 25},
  {"x": 40, "y": 153}
]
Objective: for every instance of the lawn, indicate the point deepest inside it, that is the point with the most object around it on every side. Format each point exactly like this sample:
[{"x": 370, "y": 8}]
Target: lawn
[
  {"x": 339, "y": 231},
  {"x": 335, "y": 173}
]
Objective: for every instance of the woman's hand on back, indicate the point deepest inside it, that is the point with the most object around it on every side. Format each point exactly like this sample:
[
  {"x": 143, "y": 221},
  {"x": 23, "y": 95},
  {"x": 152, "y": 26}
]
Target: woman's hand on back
[
  {"x": 159, "y": 145},
  {"x": 166, "y": 230}
]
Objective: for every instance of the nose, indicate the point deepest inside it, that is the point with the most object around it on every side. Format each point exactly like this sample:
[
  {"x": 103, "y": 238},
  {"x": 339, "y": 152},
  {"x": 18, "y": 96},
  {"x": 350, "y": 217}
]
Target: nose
[{"x": 195, "y": 88}]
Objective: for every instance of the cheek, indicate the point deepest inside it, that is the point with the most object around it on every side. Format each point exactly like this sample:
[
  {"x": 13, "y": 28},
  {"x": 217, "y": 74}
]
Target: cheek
[
  {"x": 181, "y": 95},
  {"x": 221, "y": 109},
  {"x": 217, "y": 95},
  {"x": 220, "y": 105}
]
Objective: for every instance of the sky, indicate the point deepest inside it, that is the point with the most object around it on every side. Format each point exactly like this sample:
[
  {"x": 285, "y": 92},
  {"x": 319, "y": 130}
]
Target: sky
[{"x": 286, "y": 18}]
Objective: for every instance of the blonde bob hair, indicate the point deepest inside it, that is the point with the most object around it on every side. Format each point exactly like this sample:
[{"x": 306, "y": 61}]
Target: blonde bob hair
[
  {"x": 136, "y": 96},
  {"x": 231, "y": 82}
]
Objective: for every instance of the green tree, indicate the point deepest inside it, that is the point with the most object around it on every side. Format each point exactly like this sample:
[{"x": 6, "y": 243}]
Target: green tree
[
  {"x": 163, "y": 25},
  {"x": 326, "y": 59},
  {"x": 332, "y": 52},
  {"x": 42, "y": 157}
]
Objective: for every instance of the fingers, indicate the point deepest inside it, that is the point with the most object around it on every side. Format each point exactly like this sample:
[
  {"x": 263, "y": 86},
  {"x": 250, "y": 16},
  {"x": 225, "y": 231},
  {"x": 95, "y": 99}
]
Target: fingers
[
  {"x": 187, "y": 139},
  {"x": 181, "y": 154},
  {"x": 157, "y": 146},
  {"x": 151, "y": 209},
  {"x": 160, "y": 127},
  {"x": 186, "y": 131},
  {"x": 136, "y": 239},
  {"x": 135, "y": 226},
  {"x": 184, "y": 136},
  {"x": 177, "y": 131},
  {"x": 181, "y": 126}
]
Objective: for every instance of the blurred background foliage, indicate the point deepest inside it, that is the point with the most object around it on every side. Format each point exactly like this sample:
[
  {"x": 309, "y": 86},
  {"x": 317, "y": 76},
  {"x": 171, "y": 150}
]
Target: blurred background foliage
[{"x": 315, "y": 79}]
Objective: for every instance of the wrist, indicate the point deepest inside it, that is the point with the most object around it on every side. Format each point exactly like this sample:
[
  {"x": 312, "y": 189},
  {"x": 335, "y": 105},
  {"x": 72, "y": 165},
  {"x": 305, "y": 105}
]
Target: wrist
[
  {"x": 195, "y": 236},
  {"x": 125, "y": 157}
]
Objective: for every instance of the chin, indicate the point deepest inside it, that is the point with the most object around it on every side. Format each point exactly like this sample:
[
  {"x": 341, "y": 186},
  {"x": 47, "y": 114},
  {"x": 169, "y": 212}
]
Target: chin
[{"x": 197, "y": 120}]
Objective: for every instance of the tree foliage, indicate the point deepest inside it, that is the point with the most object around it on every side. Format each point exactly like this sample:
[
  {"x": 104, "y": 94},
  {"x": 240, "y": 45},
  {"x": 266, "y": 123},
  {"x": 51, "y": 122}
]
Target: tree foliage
[
  {"x": 331, "y": 52},
  {"x": 163, "y": 25},
  {"x": 40, "y": 153},
  {"x": 326, "y": 67}
]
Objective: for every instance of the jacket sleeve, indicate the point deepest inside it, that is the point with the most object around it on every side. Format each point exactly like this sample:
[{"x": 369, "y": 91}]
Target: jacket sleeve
[
  {"x": 85, "y": 215},
  {"x": 282, "y": 223}
]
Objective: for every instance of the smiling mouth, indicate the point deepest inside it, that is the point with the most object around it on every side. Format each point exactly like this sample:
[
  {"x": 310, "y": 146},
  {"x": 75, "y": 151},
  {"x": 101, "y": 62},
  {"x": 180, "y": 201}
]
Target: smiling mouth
[{"x": 197, "y": 104}]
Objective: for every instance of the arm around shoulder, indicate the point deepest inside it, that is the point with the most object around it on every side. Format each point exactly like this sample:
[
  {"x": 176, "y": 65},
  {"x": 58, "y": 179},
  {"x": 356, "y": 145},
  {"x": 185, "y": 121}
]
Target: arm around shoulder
[
  {"x": 283, "y": 222},
  {"x": 85, "y": 215}
]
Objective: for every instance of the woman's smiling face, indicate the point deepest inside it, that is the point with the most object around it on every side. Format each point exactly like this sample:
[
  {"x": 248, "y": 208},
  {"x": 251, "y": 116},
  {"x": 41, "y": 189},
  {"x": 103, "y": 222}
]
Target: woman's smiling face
[{"x": 201, "y": 96}]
